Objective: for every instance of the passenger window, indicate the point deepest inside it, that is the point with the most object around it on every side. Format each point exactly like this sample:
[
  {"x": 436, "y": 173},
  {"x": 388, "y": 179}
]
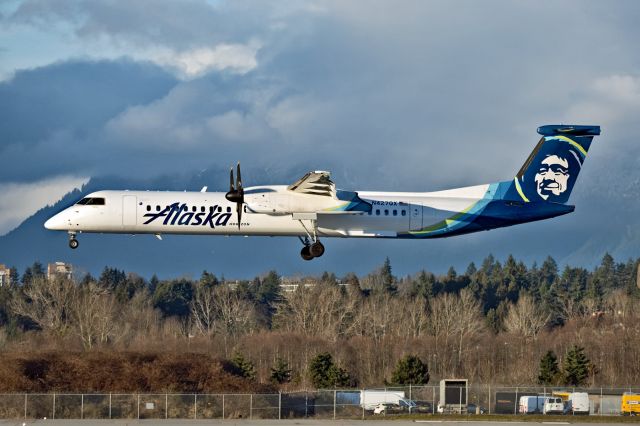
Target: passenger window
[
  {"x": 202, "y": 209},
  {"x": 148, "y": 208},
  {"x": 395, "y": 212},
  {"x": 220, "y": 209},
  {"x": 377, "y": 212},
  {"x": 157, "y": 208},
  {"x": 228, "y": 209},
  {"x": 404, "y": 213},
  {"x": 386, "y": 212},
  {"x": 210, "y": 209},
  {"x": 193, "y": 209}
]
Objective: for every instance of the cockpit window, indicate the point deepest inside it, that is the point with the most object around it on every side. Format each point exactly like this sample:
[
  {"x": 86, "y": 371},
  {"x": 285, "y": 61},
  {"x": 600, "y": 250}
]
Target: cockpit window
[{"x": 91, "y": 201}]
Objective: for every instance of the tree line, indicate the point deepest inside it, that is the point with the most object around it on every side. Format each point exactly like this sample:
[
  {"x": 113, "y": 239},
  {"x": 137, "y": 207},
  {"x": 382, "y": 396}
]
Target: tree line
[{"x": 499, "y": 322}]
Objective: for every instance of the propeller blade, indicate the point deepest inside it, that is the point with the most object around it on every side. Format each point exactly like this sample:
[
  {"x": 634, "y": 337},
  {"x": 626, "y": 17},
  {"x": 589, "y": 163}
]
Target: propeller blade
[
  {"x": 239, "y": 212},
  {"x": 231, "y": 187},
  {"x": 239, "y": 181}
]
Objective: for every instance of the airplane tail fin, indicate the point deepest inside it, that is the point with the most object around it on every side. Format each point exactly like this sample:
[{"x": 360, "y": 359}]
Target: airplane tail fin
[{"x": 551, "y": 170}]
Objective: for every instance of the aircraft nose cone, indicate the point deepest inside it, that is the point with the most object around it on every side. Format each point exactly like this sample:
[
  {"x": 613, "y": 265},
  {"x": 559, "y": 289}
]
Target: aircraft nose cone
[{"x": 54, "y": 223}]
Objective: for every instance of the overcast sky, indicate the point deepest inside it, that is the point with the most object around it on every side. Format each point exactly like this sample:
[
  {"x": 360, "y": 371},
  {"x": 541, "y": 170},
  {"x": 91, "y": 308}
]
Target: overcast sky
[{"x": 397, "y": 95}]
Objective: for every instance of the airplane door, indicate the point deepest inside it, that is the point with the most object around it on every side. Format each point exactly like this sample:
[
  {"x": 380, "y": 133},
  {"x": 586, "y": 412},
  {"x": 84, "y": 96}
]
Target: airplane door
[
  {"x": 129, "y": 207},
  {"x": 415, "y": 223}
]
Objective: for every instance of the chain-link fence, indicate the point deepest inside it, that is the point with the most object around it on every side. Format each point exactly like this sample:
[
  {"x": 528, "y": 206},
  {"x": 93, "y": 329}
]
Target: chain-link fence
[{"x": 330, "y": 404}]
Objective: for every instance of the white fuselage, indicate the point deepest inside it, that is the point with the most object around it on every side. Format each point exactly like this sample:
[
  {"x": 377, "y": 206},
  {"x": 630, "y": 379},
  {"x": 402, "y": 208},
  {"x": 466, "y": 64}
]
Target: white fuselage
[{"x": 156, "y": 212}]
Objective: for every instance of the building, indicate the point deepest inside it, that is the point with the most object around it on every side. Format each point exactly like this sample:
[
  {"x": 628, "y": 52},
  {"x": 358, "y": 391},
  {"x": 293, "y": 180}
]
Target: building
[
  {"x": 59, "y": 269},
  {"x": 5, "y": 275}
]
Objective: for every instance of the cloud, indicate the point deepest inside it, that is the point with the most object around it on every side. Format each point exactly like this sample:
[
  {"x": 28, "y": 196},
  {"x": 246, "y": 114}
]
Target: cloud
[
  {"x": 20, "y": 200},
  {"x": 237, "y": 58}
]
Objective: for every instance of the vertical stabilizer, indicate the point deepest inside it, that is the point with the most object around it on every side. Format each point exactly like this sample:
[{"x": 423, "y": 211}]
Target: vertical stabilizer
[{"x": 552, "y": 169}]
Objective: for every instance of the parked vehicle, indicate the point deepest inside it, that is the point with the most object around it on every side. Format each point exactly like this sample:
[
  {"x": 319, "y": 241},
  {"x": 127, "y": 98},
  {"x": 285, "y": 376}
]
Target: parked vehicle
[
  {"x": 370, "y": 399},
  {"x": 403, "y": 406},
  {"x": 630, "y": 404},
  {"x": 553, "y": 405},
  {"x": 578, "y": 403},
  {"x": 531, "y": 404}
]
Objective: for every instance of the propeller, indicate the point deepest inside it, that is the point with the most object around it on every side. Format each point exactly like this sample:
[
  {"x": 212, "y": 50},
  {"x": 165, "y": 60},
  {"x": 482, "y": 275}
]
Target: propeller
[{"x": 236, "y": 192}]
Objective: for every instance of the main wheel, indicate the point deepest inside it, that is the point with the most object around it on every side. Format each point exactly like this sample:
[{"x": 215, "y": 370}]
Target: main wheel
[
  {"x": 306, "y": 253},
  {"x": 316, "y": 249},
  {"x": 73, "y": 243}
]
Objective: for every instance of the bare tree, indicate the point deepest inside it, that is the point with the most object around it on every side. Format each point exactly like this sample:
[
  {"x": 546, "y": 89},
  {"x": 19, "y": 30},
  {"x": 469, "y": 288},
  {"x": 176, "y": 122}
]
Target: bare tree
[
  {"x": 93, "y": 309},
  {"x": 526, "y": 318},
  {"x": 46, "y": 303},
  {"x": 203, "y": 310}
]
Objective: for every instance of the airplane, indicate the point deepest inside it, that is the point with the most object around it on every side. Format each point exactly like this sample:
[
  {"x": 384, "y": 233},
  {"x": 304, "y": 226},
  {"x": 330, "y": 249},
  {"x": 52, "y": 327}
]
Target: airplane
[{"x": 312, "y": 208}]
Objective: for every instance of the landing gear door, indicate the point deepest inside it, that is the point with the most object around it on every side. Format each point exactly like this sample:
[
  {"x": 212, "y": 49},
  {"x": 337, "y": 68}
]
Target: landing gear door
[
  {"x": 129, "y": 206},
  {"x": 415, "y": 217}
]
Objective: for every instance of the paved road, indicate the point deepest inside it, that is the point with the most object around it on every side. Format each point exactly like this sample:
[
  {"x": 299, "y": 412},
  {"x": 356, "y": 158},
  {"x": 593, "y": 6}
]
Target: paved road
[{"x": 308, "y": 422}]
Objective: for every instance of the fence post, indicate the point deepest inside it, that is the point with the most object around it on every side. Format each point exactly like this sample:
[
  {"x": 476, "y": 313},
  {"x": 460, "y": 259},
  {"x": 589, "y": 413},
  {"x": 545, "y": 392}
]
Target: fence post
[
  {"x": 223, "y": 406},
  {"x": 81, "y": 406},
  {"x": 334, "y": 404},
  {"x": 362, "y": 402},
  {"x": 600, "y": 407},
  {"x": 138, "y": 406},
  {"x": 250, "y": 406},
  {"x": 279, "y": 405},
  {"x": 166, "y": 405},
  {"x": 53, "y": 414},
  {"x": 306, "y": 404},
  {"x": 195, "y": 406},
  {"x": 433, "y": 406},
  {"x": 25, "y": 406},
  {"x": 109, "y": 406},
  {"x": 515, "y": 404}
]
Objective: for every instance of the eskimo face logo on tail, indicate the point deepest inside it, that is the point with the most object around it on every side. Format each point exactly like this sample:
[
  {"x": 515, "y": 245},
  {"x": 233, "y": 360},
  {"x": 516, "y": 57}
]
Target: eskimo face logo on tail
[
  {"x": 179, "y": 214},
  {"x": 553, "y": 171},
  {"x": 552, "y": 177}
]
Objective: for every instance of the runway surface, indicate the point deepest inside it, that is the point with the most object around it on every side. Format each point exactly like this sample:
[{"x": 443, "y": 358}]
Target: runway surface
[{"x": 308, "y": 422}]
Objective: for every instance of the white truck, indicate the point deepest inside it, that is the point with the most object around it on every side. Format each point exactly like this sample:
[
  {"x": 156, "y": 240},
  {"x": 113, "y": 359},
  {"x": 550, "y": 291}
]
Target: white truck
[
  {"x": 370, "y": 399},
  {"x": 578, "y": 403},
  {"x": 553, "y": 405}
]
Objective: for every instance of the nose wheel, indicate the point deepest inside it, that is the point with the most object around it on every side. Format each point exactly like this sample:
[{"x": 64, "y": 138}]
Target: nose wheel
[{"x": 73, "y": 243}]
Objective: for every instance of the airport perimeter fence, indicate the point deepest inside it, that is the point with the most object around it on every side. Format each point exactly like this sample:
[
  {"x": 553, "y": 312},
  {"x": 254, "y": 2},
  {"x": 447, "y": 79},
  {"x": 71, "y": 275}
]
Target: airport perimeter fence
[{"x": 326, "y": 404}]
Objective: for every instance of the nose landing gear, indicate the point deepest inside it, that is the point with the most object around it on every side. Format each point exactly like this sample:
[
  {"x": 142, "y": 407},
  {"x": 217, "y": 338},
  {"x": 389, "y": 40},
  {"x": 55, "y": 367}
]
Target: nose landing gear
[{"x": 73, "y": 243}]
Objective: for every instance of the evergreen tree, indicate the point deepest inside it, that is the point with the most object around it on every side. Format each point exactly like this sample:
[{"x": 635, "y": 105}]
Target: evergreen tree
[
  {"x": 388, "y": 280},
  {"x": 14, "y": 275},
  {"x": 243, "y": 367},
  {"x": 325, "y": 374},
  {"x": 549, "y": 370},
  {"x": 410, "y": 370},
  {"x": 153, "y": 284},
  {"x": 280, "y": 372},
  {"x": 173, "y": 298},
  {"x": 208, "y": 279},
  {"x": 576, "y": 367}
]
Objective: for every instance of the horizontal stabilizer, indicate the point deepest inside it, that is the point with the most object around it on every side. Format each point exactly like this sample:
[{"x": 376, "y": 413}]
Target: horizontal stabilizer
[{"x": 559, "y": 129}]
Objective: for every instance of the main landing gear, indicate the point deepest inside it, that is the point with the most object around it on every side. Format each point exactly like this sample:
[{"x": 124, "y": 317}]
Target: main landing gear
[
  {"x": 73, "y": 243},
  {"x": 311, "y": 250},
  {"x": 312, "y": 245}
]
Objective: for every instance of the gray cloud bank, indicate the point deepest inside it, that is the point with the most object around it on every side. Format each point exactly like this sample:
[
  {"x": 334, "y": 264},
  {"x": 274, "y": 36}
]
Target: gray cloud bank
[{"x": 396, "y": 96}]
